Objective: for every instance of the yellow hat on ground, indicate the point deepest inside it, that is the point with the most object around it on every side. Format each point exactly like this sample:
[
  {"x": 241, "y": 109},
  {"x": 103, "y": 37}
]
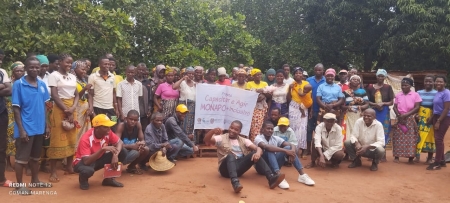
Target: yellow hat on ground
[
  {"x": 182, "y": 108},
  {"x": 283, "y": 121},
  {"x": 158, "y": 162},
  {"x": 102, "y": 120},
  {"x": 329, "y": 116}
]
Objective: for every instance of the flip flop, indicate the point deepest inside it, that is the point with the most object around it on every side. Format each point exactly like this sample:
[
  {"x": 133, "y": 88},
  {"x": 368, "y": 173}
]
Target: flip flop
[
  {"x": 135, "y": 171},
  {"x": 7, "y": 183},
  {"x": 53, "y": 179}
]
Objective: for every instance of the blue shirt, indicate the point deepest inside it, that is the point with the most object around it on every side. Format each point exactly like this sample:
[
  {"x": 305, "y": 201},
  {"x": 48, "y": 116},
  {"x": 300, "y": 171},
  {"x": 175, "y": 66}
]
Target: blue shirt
[
  {"x": 312, "y": 81},
  {"x": 427, "y": 97},
  {"x": 439, "y": 101},
  {"x": 31, "y": 101},
  {"x": 329, "y": 92}
]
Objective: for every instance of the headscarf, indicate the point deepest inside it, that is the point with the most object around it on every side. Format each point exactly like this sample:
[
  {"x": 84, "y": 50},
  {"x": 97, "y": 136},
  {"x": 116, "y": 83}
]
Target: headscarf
[
  {"x": 155, "y": 75},
  {"x": 17, "y": 64},
  {"x": 330, "y": 71},
  {"x": 297, "y": 69},
  {"x": 169, "y": 70},
  {"x": 182, "y": 71},
  {"x": 43, "y": 60},
  {"x": 254, "y": 71},
  {"x": 355, "y": 76},
  {"x": 270, "y": 72},
  {"x": 189, "y": 69},
  {"x": 408, "y": 80},
  {"x": 176, "y": 69},
  {"x": 198, "y": 68},
  {"x": 382, "y": 72},
  {"x": 241, "y": 71}
]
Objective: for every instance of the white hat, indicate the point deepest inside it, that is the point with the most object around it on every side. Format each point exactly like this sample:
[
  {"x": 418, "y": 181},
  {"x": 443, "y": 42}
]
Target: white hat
[{"x": 221, "y": 71}]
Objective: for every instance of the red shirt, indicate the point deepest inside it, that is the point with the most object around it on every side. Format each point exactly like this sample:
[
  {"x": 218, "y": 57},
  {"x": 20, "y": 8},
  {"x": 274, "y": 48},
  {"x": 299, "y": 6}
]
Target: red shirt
[
  {"x": 344, "y": 86},
  {"x": 88, "y": 144},
  {"x": 226, "y": 82}
]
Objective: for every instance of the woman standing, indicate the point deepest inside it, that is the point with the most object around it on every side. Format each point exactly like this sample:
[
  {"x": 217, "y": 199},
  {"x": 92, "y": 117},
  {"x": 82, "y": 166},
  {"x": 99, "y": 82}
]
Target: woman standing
[
  {"x": 167, "y": 95},
  {"x": 270, "y": 76},
  {"x": 280, "y": 96},
  {"x": 65, "y": 96},
  {"x": 211, "y": 75},
  {"x": 186, "y": 86},
  {"x": 17, "y": 72},
  {"x": 440, "y": 120},
  {"x": 83, "y": 119},
  {"x": 240, "y": 79},
  {"x": 381, "y": 96},
  {"x": 356, "y": 101},
  {"x": 426, "y": 132},
  {"x": 261, "y": 105},
  {"x": 406, "y": 105},
  {"x": 298, "y": 108}
]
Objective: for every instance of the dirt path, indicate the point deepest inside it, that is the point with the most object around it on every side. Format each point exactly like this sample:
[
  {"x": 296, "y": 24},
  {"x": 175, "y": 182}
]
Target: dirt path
[{"x": 197, "y": 180}]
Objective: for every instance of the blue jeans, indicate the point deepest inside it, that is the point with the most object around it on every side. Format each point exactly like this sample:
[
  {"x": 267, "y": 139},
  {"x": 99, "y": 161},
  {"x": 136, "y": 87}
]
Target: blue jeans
[
  {"x": 184, "y": 150},
  {"x": 312, "y": 123},
  {"x": 276, "y": 160},
  {"x": 176, "y": 147}
]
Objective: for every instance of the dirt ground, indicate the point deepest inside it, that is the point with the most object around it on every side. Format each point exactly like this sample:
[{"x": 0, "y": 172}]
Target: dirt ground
[{"x": 197, "y": 180}]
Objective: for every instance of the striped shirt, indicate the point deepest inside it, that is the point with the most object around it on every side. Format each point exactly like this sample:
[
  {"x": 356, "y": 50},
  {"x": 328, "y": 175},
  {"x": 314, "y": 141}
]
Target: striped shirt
[{"x": 427, "y": 97}]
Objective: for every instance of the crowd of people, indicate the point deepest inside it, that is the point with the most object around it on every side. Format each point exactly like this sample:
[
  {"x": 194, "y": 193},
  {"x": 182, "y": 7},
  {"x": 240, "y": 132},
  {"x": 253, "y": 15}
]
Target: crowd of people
[{"x": 52, "y": 110}]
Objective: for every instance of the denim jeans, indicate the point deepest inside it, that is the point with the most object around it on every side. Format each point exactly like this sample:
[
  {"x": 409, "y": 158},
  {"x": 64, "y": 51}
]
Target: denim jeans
[
  {"x": 276, "y": 160},
  {"x": 185, "y": 150}
]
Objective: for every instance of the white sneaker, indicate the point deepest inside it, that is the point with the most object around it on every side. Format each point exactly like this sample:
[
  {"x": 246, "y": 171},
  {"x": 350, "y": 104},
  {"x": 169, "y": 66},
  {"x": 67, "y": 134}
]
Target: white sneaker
[
  {"x": 305, "y": 179},
  {"x": 284, "y": 184}
]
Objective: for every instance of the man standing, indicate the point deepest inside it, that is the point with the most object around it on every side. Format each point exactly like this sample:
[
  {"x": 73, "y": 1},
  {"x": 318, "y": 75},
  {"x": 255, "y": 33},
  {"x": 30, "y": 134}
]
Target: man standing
[
  {"x": 146, "y": 100},
  {"x": 156, "y": 139},
  {"x": 328, "y": 142},
  {"x": 128, "y": 93},
  {"x": 237, "y": 154},
  {"x": 175, "y": 132},
  {"x": 329, "y": 96},
  {"x": 102, "y": 95},
  {"x": 28, "y": 101},
  {"x": 367, "y": 140},
  {"x": 132, "y": 136},
  {"x": 97, "y": 147},
  {"x": 315, "y": 81},
  {"x": 5, "y": 90},
  {"x": 343, "y": 80},
  {"x": 287, "y": 78}
]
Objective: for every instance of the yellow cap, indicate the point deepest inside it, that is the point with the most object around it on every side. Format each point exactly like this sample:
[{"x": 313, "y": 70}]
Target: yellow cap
[
  {"x": 283, "y": 121},
  {"x": 182, "y": 108},
  {"x": 102, "y": 120}
]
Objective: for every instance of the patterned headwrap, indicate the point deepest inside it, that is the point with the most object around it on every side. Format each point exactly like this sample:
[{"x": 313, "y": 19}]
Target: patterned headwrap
[
  {"x": 355, "y": 76},
  {"x": 17, "y": 64},
  {"x": 254, "y": 71},
  {"x": 382, "y": 72},
  {"x": 43, "y": 60},
  {"x": 189, "y": 69},
  {"x": 198, "y": 68},
  {"x": 297, "y": 69},
  {"x": 241, "y": 71},
  {"x": 330, "y": 71},
  {"x": 408, "y": 80}
]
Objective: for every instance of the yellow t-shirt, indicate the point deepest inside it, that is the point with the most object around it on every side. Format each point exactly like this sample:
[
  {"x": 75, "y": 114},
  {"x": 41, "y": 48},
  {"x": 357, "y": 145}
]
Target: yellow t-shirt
[
  {"x": 235, "y": 84},
  {"x": 117, "y": 79},
  {"x": 305, "y": 100},
  {"x": 252, "y": 85}
]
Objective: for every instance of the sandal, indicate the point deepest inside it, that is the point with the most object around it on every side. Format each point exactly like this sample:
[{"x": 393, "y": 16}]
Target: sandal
[
  {"x": 7, "y": 183},
  {"x": 135, "y": 171}
]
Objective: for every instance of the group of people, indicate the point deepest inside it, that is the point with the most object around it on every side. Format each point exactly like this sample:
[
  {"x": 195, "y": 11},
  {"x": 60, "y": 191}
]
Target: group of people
[{"x": 52, "y": 110}]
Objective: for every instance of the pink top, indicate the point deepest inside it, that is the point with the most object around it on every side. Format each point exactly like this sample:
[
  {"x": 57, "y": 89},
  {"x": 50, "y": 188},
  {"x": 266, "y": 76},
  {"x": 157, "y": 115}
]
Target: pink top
[
  {"x": 226, "y": 82},
  {"x": 166, "y": 91},
  {"x": 406, "y": 102}
]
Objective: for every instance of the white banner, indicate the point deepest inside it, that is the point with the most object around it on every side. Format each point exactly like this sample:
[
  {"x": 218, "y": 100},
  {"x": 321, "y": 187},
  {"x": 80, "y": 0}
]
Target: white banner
[{"x": 216, "y": 106}]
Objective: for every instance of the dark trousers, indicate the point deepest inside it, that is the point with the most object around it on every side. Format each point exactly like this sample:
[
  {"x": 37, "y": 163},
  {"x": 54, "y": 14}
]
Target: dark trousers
[
  {"x": 87, "y": 171},
  {"x": 439, "y": 138},
  {"x": 3, "y": 132},
  {"x": 315, "y": 155},
  {"x": 312, "y": 123},
  {"x": 233, "y": 168},
  {"x": 144, "y": 122}
]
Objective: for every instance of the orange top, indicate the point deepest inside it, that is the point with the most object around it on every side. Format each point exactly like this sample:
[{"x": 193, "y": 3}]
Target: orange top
[{"x": 305, "y": 100}]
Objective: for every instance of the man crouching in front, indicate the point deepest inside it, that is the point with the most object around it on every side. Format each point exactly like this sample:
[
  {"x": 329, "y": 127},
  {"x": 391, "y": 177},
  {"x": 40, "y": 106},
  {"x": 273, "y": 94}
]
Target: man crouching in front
[{"x": 237, "y": 155}]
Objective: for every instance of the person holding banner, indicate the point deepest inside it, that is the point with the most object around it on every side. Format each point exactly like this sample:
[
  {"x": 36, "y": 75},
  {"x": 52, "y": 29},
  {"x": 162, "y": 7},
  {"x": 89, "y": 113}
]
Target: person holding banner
[
  {"x": 261, "y": 106},
  {"x": 210, "y": 76},
  {"x": 237, "y": 154},
  {"x": 240, "y": 79}
]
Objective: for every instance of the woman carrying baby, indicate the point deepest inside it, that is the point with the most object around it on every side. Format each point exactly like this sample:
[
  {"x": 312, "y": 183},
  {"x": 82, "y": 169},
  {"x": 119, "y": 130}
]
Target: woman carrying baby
[{"x": 356, "y": 101}]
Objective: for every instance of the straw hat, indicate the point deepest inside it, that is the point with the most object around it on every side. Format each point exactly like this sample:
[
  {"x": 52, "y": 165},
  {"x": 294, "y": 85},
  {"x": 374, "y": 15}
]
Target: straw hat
[{"x": 158, "y": 162}]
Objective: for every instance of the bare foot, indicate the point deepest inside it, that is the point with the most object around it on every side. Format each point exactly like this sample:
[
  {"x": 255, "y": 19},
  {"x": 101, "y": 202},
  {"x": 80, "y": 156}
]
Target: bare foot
[
  {"x": 9, "y": 168},
  {"x": 417, "y": 160},
  {"x": 396, "y": 160},
  {"x": 311, "y": 165},
  {"x": 44, "y": 168}
]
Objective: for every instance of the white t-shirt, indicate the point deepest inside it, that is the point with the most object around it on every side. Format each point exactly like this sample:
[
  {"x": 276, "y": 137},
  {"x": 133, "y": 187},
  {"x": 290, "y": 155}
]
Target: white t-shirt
[
  {"x": 66, "y": 84},
  {"x": 288, "y": 81},
  {"x": 187, "y": 92}
]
